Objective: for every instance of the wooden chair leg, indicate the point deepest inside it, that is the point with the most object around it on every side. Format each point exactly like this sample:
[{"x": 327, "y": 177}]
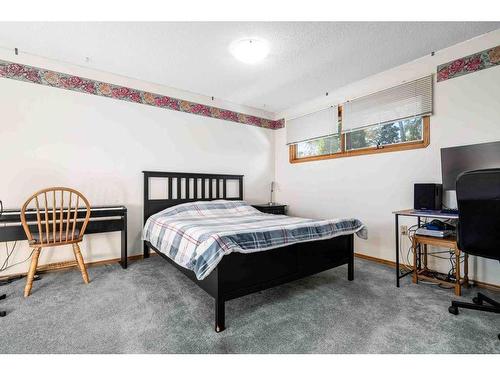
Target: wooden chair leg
[
  {"x": 425, "y": 257},
  {"x": 32, "y": 271},
  {"x": 81, "y": 263}
]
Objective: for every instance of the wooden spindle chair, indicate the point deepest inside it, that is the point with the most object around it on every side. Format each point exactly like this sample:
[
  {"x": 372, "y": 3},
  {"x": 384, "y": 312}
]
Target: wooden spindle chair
[{"x": 53, "y": 221}]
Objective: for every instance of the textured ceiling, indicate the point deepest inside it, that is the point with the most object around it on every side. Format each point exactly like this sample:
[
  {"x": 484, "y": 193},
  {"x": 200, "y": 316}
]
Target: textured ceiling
[{"x": 306, "y": 59}]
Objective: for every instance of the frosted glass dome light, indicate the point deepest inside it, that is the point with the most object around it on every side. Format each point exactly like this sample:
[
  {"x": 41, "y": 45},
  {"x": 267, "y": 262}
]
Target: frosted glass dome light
[{"x": 249, "y": 50}]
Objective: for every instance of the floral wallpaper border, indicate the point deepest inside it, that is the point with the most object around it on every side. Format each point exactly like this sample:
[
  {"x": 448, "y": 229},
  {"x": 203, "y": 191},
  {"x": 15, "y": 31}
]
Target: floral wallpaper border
[
  {"x": 469, "y": 64},
  {"x": 51, "y": 78}
]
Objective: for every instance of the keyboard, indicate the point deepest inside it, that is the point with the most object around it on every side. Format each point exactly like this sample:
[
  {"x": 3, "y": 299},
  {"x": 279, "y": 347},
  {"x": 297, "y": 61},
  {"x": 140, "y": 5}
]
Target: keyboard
[{"x": 450, "y": 211}]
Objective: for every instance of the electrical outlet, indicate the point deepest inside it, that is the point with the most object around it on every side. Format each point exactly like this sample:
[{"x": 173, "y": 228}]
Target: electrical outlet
[{"x": 404, "y": 230}]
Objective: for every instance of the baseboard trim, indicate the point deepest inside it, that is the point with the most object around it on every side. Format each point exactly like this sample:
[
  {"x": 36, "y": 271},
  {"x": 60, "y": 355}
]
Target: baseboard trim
[
  {"x": 392, "y": 264},
  {"x": 376, "y": 260},
  {"x": 62, "y": 266}
]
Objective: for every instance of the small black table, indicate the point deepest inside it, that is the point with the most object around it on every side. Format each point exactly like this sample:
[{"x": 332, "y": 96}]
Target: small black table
[
  {"x": 276, "y": 208},
  {"x": 102, "y": 219}
]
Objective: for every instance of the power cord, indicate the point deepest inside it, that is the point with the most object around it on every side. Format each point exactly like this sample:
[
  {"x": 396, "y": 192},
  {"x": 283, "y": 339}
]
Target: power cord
[
  {"x": 2, "y": 296},
  {"x": 5, "y": 266},
  {"x": 410, "y": 234}
]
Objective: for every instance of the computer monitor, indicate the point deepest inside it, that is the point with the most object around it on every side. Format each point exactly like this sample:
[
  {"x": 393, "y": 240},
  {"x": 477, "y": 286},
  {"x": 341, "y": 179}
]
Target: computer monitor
[{"x": 455, "y": 160}]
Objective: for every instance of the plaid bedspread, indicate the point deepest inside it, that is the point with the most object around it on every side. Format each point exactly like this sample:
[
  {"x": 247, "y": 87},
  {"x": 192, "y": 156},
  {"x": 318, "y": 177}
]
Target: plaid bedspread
[{"x": 197, "y": 235}]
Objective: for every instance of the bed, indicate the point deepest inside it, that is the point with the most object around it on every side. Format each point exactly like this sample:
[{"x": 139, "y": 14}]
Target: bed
[{"x": 228, "y": 248}]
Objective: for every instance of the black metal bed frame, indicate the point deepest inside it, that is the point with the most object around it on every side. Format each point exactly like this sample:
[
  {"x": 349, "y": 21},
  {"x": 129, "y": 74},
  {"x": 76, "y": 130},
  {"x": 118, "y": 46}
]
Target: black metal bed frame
[{"x": 240, "y": 274}]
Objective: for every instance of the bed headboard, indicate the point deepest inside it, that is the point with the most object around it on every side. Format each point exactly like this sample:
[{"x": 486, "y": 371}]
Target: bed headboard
[{"x": 188, "y": 187}]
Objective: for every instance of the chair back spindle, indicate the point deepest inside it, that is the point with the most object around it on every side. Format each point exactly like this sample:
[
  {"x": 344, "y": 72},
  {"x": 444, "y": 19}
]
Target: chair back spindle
[{"x": 53, "y": 217}]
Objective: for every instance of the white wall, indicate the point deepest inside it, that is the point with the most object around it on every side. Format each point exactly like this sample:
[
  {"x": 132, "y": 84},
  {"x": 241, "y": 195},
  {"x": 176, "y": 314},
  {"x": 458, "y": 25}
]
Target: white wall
[
  {"x": 50, "y": 137},
  {"x": 466, "y": 111}
]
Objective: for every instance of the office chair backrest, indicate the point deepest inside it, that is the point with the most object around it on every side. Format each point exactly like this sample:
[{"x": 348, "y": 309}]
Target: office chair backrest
[
  {"x": 478, "y": 196},
  {"x": 56, "y": 217}
]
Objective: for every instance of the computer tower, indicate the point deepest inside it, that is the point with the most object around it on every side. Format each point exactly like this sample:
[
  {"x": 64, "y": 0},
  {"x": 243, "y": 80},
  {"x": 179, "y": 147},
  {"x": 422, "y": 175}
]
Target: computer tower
[{"x": 428, "y": 196}]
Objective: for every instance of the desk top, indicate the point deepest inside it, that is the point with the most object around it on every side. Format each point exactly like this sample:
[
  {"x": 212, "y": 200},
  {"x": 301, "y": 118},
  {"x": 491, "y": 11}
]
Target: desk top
[
  {"x": 426, "y": 213},
  {"x": 13, "y": 215}
]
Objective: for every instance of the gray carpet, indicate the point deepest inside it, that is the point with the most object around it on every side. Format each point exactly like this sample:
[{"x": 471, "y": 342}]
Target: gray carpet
[{"x": 153, "y": 308}]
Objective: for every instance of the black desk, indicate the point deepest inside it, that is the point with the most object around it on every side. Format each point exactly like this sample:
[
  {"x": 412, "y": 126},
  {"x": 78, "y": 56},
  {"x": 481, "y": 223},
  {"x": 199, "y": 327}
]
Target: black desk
[
  {"x": 102, "y": 219},
  {"x": 418, "y": 214}
]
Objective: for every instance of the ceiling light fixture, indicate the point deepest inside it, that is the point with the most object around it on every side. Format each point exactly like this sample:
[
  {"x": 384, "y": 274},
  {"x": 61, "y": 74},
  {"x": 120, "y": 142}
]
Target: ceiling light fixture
[{"x": 249, "y": 50}]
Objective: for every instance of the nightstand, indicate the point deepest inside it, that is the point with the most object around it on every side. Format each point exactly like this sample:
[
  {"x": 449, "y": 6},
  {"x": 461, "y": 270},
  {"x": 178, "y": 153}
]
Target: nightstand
[{"x": 276, "y": 209}]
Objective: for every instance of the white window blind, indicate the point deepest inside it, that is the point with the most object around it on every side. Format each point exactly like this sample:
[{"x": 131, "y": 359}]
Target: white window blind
[
  {"x": 407, "y": 100},
  {"x": 315, "y": 125}
]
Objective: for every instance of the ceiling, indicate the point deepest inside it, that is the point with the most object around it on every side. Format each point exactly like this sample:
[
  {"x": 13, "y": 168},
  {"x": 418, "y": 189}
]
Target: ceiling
[{"x": 306, "y": 60}]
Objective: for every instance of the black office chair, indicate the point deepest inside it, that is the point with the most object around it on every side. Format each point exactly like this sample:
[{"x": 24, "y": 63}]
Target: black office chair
[{"x": 478, "y": 197}]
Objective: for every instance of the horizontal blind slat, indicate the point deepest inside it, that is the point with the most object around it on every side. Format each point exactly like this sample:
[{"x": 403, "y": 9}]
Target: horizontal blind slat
[
  {"x": 318, "y": 124},
  {"x": 407, "y": 100}
]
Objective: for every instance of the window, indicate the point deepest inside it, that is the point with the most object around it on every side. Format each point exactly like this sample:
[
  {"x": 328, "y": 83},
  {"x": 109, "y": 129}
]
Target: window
[
  {"x": 400, "y": 135},
  {"x": 322, "y": 146},
  {"x": 393, "y": 119},
  {"x": 408, "y": 130}
]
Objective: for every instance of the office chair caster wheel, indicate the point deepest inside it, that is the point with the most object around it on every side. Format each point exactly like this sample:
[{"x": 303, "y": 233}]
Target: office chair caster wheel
[
  {"x": 477, "y": 301},
  {"x": 453, "y": 310}
]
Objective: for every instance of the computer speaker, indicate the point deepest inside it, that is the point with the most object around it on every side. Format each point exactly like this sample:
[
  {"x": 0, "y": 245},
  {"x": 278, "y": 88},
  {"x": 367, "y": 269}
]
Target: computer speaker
[{"x": 427, "y": 196}]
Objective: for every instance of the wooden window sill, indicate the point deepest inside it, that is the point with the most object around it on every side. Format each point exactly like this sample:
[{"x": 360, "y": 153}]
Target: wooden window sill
[{"x": 366, "y": 151}]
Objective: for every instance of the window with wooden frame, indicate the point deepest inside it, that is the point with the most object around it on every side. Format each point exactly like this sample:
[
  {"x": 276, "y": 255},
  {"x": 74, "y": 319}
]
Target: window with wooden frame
[{"x": 369, "y": 129}]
